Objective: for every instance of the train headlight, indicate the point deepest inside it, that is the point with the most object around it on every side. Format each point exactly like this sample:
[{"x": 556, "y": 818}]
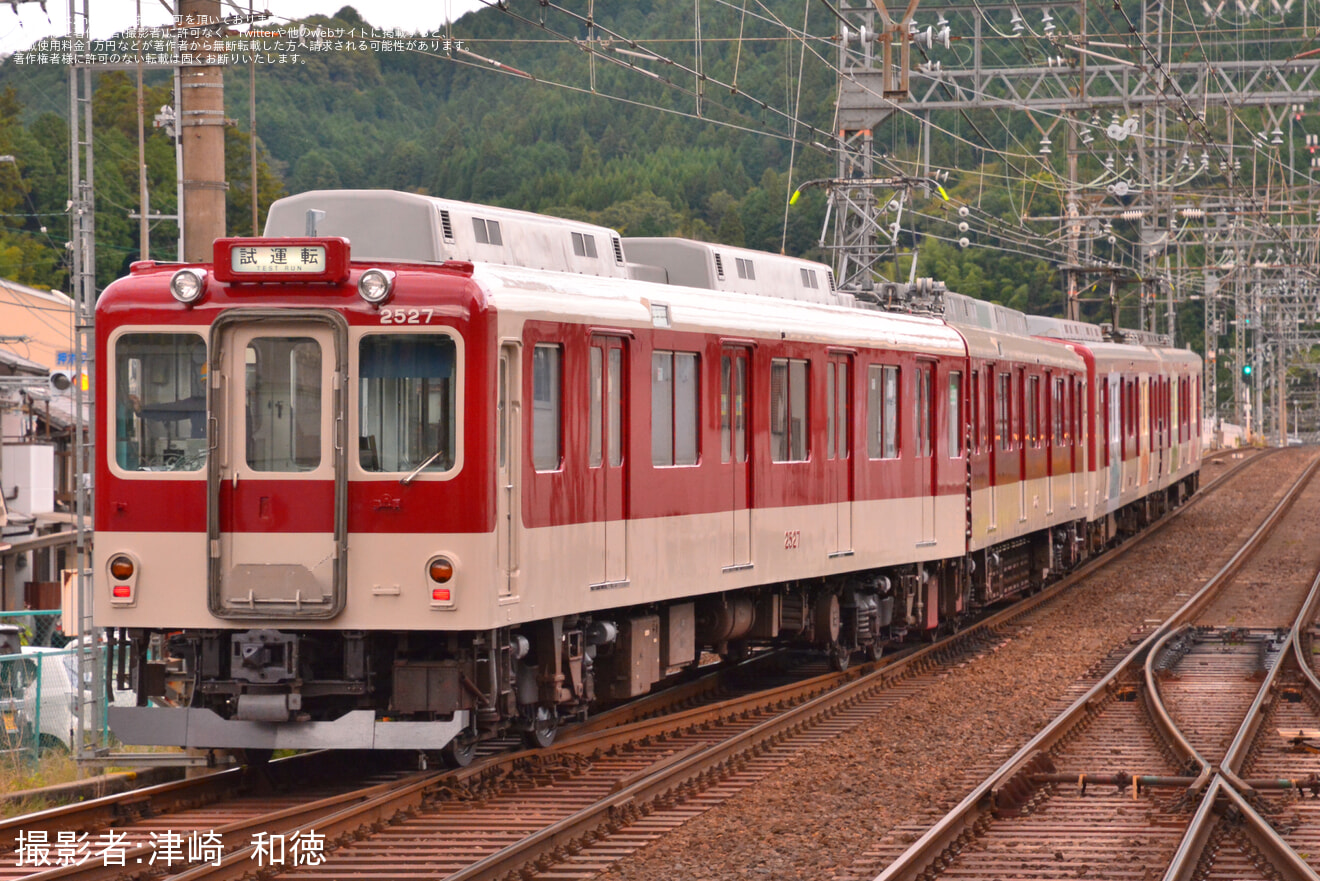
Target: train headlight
[
  {"x": 376, "y": 285},
  {"x": 188, "y": 285},
  {"x": 440, "y": 571}
]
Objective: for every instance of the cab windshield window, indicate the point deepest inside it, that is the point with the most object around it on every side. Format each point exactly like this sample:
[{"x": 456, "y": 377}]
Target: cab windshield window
[
  {"x": 406, "y": 403},
  {"x": 160, "y": 402}
]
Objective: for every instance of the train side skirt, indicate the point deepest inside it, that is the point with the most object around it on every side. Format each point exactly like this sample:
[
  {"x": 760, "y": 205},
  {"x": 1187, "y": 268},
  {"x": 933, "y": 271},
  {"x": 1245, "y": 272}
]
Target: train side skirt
[{"x": 203, "y": 729}]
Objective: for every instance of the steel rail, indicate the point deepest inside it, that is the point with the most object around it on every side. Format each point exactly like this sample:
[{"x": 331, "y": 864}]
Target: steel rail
[
  {"x": 1221, "y": 797},
  {"x": 1231, "y": 764},
  {"x": 160, "y": 798},
  {"x": 820, "y": 697},
  {"x": 912, "y": 863},
  {"x": 1159, "y": 714},
  {"x": 234, "y": 836},
  {"x": 1228, "y": 785},
  {"x": 408, "y": 796},
  {"x": 1303, "y": 662}
]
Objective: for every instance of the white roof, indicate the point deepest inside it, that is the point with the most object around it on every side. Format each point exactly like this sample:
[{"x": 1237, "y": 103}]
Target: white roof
[
  {"x": 385, "y": 226},
  {"x": 603, "y": 302}
]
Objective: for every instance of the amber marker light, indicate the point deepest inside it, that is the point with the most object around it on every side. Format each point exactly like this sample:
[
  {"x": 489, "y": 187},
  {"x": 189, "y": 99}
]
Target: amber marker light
[
  {"x": 441, "y": 570},
  {"x": 121, "y": 567}
]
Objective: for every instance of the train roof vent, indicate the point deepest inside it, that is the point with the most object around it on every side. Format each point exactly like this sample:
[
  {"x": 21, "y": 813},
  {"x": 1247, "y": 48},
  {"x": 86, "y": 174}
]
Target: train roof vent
[
  {"x": 391, "y": 227},
  {"x": 701, "y": 265},
  {"x": 1064, "y": 329},
  {"x": 967, "y": 311},
  {"x": 618, "y": 250},
  {"x": 1135, "y": 337},
  {"x": 1010, "y": 321},
  {"x": 829, "y": 274}
]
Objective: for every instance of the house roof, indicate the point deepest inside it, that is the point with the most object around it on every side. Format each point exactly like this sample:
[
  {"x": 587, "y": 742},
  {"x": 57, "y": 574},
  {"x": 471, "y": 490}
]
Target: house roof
[{"x": 37, "y": 327}]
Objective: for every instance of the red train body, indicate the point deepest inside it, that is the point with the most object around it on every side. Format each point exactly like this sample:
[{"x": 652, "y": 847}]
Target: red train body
[{"x": 436, "y": 471}]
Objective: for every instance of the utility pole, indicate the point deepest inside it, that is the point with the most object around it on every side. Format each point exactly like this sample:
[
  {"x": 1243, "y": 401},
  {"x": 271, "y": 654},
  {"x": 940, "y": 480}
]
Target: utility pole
[
  {"x": 82, "y": 283},
  {"x": 144, "y": 224},
  {"x": 201, "y": 122},
  {"x": 252, "y": 122}
]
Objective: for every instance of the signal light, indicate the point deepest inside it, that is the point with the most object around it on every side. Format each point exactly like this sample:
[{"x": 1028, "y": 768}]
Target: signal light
[
  {"x": 121, "y": 591},
  {"x": 1246, "y": 369},
  {"x": 440, "y": 595}
]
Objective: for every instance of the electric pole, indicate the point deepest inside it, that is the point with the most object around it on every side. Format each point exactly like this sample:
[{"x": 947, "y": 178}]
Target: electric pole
[{"x": 201, "y": 128}]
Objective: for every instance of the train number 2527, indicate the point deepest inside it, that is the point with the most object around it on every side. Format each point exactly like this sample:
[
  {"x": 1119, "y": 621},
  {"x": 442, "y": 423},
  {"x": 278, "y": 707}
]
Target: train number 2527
[{"x": 406, "y": 316}]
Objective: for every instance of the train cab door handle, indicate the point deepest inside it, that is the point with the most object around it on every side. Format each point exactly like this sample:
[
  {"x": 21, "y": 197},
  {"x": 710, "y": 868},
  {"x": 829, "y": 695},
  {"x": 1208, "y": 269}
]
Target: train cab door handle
[{"x": 235, "y": 479}]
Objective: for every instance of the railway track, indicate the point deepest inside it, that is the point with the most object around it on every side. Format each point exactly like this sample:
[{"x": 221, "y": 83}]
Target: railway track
[
  {"x": 601, "y": 792},
  {"x": 1175, "y": 763}
]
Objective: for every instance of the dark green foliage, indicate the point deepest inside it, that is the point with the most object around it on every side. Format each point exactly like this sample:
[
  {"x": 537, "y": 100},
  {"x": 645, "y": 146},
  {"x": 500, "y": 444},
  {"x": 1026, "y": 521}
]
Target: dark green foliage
[{"x": 643, "y": 156}]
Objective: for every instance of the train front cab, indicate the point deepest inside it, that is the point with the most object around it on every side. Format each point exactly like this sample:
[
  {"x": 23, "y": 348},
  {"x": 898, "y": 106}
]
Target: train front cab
[{"x": 233, "y": 489}]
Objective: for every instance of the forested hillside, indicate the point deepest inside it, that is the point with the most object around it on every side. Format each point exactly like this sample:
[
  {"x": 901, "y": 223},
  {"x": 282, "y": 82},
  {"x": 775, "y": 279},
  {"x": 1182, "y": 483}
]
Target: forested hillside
[{"x": 644, "y": 154}]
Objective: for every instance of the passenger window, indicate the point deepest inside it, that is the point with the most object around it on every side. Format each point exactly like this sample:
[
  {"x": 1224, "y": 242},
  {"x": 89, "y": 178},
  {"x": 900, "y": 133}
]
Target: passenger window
[
  {"x": 976, "y": 411},
  {"x": 726, "y": 405},
  {"x": 1003, "y": 411},
  {"x": 955, "y": 416},
  {"x": 406, "y": 407},
  {"x": 1032, "y": 428},
  {"x": 596, "y": 393},
  {"x": 836, "y": 408},
  {"x": 160, "y": 402},
  {"x": 788, "y": 410},
  {"x": 674, "y": 408},
  {"x": 882, "y": 412},
  {"x": 615, "y": 396},
  {"x": 924, "y": 412},
  {"x": 547, "y": 407}
]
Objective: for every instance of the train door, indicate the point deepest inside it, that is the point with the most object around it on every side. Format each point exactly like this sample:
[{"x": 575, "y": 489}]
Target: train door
[
  {"x": 1074, "y": 408},
  {"x": 735, "y": 401},
  {"x": 1142, "y": 388},
  {"x": 276, "y": 508},
  {"x": 997, "y": 395},
  {"x": 508, "y": 432},
  {"x": 606, "y": 451},
  {"x": 1116, "y": 440},
  {"x": 1050, "y": 429},
  {"x": 925, "y": 451},
  {"x": 838, "y": 455},
  {"x": 1024, "y": 441}
]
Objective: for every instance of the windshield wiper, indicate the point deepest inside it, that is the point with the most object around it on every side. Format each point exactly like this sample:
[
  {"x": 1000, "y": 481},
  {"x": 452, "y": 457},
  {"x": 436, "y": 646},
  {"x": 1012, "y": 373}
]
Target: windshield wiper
[{"x": 418, "y": 470}]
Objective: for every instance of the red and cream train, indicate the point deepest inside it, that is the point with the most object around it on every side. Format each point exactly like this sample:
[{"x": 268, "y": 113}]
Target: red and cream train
[{"x": 409, "y": 473}]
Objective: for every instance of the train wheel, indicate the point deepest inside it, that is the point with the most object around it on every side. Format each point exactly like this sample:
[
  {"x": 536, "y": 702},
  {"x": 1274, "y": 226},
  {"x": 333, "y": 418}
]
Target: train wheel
[
  {"x": 542, "y": 731},
  {"x": 840, "y": 658},
  {"x": 460, "y": 751}
]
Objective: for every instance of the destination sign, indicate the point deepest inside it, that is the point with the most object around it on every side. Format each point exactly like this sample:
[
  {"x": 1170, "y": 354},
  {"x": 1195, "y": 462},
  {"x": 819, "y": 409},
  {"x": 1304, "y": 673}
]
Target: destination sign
[{"x": 258, "y": 259}]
